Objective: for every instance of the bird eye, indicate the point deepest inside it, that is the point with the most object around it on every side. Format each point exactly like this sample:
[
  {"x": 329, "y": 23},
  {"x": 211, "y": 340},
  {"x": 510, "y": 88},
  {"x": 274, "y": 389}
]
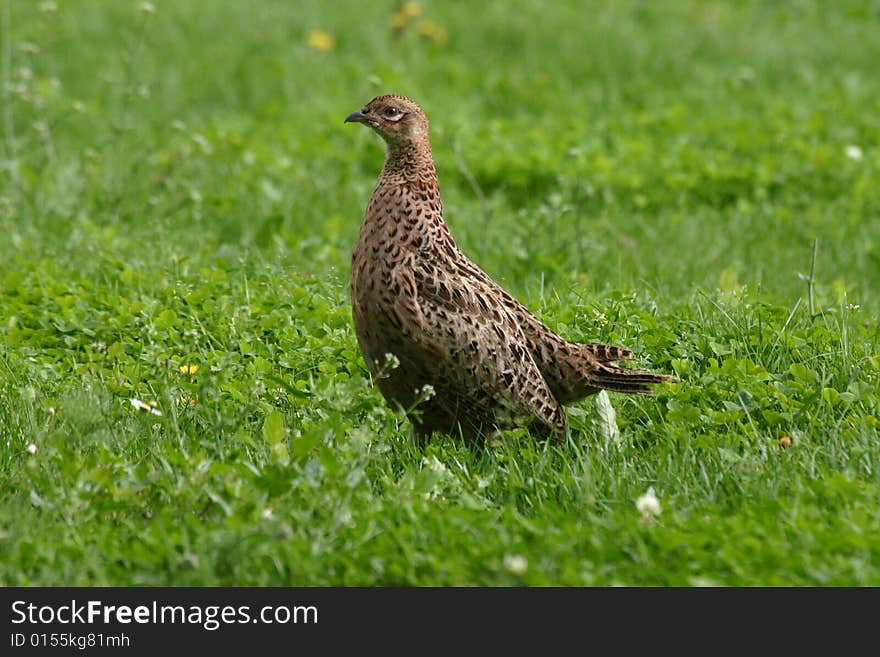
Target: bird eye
[{"x": 392, "y": 113}]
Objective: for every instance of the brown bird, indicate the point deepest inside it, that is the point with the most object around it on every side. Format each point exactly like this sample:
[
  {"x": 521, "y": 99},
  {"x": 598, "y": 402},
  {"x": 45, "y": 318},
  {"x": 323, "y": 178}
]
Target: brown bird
[{"x": 426, "y": 315}]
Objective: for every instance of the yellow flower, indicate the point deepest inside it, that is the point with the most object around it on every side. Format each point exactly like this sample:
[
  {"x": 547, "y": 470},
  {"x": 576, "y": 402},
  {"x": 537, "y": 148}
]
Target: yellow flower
[
  {"x": 320, "y": 40},
  {"x": 399, "y": 21},
  {"x": 410, "y": 9},
  {"x": 430, "y": 30},
  {"x": 189, "y": 370}
]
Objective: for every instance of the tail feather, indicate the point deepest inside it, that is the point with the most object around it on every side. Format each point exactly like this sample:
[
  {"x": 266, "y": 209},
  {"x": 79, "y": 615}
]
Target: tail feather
[
  {"x": 628, "y": 388},
  {"x": 574, "y": 370},
  {"x": 607, "y": 353},
  {"x": 619, "y": 379}
]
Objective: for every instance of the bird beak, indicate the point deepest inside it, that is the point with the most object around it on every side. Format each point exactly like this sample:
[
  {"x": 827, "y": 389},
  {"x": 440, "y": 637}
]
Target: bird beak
[{"x": 358, "y": 117}]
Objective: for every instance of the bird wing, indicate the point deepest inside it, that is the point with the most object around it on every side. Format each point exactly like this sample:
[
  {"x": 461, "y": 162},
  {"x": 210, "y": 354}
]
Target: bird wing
[
  {"x": 571, "y": 370},
  {"x": 489, "y": 362},
  {"x": 408, "y": 314}
]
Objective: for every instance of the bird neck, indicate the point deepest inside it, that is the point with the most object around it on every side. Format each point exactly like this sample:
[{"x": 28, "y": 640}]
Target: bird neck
[{"x": 410, "y": 162}]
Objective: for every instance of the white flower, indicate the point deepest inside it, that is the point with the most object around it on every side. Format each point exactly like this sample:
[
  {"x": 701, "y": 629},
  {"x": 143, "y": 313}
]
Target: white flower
[
  {"x": 746, "y": 73},
  {"x": 435, "y": 464},
  {"x": 267, "y": 513},
  {"x": 853, "y": 152},
  {"x": 149, "y": 407},
  {"x": 31, "y": 449},
  {"x": 648, "y": 504},
  {"x": 425, "y": 393},
  {"x": 516, "y": 564},
  {"x": 148, "y": 8},
  {"x": 390, "y": 363},
  {"x": 202, "y": 143}
]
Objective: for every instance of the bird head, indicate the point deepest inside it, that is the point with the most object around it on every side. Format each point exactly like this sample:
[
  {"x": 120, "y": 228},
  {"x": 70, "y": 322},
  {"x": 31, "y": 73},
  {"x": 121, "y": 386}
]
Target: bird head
[{"x": 397, "y": 119}]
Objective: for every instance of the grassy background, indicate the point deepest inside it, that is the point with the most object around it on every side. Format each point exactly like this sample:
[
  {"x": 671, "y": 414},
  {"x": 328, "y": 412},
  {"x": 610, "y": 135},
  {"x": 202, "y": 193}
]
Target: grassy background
[{"x": 177, "y": 188}]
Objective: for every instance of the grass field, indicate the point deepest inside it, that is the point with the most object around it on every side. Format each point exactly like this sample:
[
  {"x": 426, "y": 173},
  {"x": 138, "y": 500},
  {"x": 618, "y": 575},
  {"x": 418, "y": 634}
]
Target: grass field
[{"x": 178, "y": 202}]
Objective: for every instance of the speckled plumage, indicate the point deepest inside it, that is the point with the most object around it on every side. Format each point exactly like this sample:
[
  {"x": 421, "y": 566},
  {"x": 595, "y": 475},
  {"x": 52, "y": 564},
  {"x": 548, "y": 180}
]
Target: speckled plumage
[{"x": 416, "y": 296}]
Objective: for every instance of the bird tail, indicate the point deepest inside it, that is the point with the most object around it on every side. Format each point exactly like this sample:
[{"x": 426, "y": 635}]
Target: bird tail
[
  {"x": 607, "y": 353},
  {"x": 588, "y": 368},
  {"x": 609, "y": 376}
]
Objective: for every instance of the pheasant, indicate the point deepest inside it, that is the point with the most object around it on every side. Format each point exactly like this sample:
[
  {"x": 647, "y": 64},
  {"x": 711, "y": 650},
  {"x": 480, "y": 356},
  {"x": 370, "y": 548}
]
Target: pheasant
[{"x": 426, "y": 315}]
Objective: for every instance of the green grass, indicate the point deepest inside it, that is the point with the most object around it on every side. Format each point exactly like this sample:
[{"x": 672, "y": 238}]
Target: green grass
[{"x": 179, "y": 189}]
